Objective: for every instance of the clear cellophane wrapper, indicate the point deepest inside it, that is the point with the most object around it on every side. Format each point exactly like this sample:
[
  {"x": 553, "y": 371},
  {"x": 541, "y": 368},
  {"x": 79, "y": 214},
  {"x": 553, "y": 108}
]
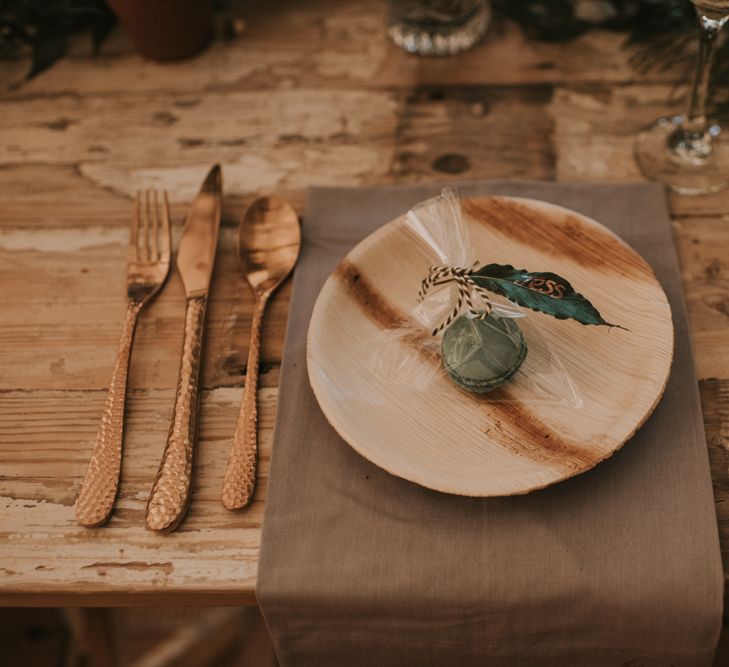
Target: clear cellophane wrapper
[{"x": 410, "y": 354}]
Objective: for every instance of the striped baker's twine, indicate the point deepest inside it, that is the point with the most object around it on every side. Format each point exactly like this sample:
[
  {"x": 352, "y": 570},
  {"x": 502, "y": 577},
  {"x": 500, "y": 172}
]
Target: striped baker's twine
[{"x": 442, "y": 274}]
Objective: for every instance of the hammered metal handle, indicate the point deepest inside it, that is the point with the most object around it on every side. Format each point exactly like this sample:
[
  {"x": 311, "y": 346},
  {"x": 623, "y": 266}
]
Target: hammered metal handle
[
  {"x": 171, "y": 490},
  {"x": 240, "y": 475},
  {"x": 100, "y": 484}
]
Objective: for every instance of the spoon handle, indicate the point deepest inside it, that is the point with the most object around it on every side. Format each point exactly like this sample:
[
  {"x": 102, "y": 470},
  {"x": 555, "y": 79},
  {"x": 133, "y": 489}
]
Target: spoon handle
[{"x": 240, "y": 475}]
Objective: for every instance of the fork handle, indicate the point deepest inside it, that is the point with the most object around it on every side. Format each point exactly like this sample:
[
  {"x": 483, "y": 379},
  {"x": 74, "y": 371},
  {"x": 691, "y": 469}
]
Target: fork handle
[
  {"x": 240, "y": 475},
  {"x": 100, "y": 484},
  {"x": 170, "y": 493}
]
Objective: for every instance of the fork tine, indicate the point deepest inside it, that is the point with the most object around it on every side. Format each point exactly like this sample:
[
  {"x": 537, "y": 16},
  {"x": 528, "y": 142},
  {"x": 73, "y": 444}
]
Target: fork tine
[
  {"x": 165, "y": 240},
  {"x": 155, "y": 228},
  {"x": 145, "y": 228},
  {"x": 134, "y": 230}
]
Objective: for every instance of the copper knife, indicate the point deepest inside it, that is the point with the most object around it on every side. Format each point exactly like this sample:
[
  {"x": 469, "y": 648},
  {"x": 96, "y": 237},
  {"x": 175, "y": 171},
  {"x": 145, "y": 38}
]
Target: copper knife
[{"x": 170, "y": 493}]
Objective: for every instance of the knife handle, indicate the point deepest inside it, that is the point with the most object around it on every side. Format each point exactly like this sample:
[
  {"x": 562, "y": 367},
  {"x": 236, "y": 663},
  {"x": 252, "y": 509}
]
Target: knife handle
[
  {"x": 99, "y": 487},
  {"x": 170, "y": 493},
  {"x": 240, "y": 475}
]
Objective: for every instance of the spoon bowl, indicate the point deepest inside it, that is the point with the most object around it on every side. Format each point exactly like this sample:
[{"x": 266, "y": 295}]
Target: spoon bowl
[{"x": 269, "y": 239}]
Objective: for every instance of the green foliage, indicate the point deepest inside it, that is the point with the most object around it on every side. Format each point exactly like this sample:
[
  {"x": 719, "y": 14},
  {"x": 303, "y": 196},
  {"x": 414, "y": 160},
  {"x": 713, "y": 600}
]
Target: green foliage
[
  {"x": 44, "y": 26},
  {"x": 665, "y": 37},
  {"x": 661, "y": 35},
  {"x": 542, "y": 291},
  {"x": 551, "y": 20},
  {"x": 560, "y": 20}
]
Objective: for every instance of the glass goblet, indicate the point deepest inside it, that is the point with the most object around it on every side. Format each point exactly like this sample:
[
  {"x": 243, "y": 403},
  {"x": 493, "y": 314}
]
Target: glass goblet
[{"x": 686, "y": 152}]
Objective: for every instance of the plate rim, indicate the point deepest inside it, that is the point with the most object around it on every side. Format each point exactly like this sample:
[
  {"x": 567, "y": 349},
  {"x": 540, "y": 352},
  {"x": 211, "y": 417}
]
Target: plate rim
[{"x": 568, "y": 474}]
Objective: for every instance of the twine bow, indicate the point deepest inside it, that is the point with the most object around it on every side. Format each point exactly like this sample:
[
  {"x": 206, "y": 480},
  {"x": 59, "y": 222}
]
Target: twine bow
[{"x": 442, "y": 274}]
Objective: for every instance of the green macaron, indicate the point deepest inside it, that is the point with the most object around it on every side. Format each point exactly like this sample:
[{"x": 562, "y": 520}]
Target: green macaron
[{"x": 479, "y": 355}]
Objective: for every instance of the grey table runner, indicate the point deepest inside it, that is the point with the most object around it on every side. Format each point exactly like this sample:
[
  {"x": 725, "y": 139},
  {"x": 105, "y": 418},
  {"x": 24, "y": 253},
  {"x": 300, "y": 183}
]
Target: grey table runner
[{"x": 618, "y": 566}]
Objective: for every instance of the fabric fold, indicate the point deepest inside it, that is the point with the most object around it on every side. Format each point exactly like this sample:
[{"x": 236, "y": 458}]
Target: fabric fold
[{"x": 619, "y": 564}]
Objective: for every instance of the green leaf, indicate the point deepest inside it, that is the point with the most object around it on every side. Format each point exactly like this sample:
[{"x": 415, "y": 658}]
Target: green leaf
[
  {"x": 48, "y": 46},
  {"x": 545, "y": 292},
  {"x": 101, "y": 27}
]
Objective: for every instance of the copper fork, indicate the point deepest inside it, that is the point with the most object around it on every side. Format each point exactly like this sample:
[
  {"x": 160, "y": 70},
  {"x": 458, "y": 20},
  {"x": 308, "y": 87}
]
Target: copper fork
[{"x": 148, "y": 263}]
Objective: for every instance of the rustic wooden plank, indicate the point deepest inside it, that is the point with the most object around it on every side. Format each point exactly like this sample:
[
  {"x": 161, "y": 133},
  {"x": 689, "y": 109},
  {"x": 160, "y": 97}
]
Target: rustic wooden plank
[
  {"x": 265, "y": 140},
  {"x": 595, "y": 130},
  {"x": 327, "y": 43},
  {"x": 715, "y": 404},
  {"x": 45, "y": 557},
  {"x": 705, "y": 205},
  {"x": 703, "y": 246},
  {"x": 460, "y": 132},
  {"x": 36, "y": 197},
  {"x": 313, "y": 93},
  {"x": 594, "y": 57},
  {"x": 64, "y": 304}
]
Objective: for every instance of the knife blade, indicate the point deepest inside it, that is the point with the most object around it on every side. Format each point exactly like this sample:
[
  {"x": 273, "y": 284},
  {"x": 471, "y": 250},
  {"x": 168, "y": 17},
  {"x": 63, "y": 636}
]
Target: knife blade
[
  {"x": 196, "y": 253},
  {"x": 170, "y": 493}
]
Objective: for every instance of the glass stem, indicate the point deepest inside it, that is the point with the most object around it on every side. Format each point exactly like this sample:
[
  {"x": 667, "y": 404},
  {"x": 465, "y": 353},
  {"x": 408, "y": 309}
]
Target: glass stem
[
  {"x": 693, "y": 140},
  {"x": 710, "y": 30}
]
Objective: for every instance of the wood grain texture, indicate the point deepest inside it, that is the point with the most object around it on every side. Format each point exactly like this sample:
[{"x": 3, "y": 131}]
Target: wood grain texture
[
  {"x": 517, "y": 438},
  {"x": 312, "y": 93},
  {"x": 211, "y": 559}
]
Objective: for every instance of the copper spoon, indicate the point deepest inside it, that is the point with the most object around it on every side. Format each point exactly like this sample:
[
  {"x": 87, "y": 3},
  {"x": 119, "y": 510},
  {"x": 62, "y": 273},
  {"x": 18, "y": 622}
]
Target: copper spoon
[{"x": 269, "y": 239}]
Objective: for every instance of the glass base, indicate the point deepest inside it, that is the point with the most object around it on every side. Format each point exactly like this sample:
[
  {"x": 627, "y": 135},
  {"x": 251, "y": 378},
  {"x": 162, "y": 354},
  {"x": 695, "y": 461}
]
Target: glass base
[
  {"x": 432, "y": 28},
  {"x": 662, "y": 156}
]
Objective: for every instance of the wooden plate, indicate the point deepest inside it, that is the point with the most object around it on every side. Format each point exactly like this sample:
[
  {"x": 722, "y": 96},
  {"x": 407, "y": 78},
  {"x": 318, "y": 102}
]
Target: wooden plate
[{"x": 456, "y": 442}]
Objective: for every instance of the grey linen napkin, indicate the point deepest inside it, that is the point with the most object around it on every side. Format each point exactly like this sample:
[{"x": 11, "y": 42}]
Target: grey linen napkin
[{"x": 618, "y": 566}]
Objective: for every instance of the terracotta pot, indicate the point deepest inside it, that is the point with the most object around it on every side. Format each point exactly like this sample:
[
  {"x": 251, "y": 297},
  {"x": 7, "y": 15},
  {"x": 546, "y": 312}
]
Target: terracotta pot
[{"x": 166, "y": 29}]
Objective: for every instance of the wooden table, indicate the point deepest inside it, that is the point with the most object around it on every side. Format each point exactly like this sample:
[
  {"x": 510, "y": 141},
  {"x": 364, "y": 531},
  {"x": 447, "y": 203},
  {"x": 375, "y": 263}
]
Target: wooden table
[{"x": 312, "y": 93}]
